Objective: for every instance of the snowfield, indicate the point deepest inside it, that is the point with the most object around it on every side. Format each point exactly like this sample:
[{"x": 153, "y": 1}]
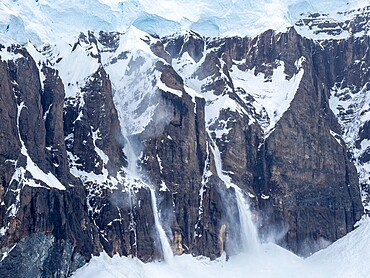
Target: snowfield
[{"x": 346, "y": 257}]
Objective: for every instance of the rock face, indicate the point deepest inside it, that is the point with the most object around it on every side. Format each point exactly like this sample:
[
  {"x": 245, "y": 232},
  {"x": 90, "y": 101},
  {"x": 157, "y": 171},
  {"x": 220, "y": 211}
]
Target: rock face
[
  {"x": 352, "y": 22},
  {"x": 189, "y": 117},
  {"x": 39, "y": 195},
  {"x": 301, "y": 161}
]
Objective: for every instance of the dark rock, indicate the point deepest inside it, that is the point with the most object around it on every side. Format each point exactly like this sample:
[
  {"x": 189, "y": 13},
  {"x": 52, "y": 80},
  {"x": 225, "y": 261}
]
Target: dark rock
[
  {"x": 40, "y": 255},
  {"x": 97, "y": 115}
]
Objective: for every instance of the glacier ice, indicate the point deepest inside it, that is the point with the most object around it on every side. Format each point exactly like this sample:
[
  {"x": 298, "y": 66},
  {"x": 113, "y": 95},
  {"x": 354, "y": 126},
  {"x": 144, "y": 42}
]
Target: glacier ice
[{"x": 47, "y": 20}]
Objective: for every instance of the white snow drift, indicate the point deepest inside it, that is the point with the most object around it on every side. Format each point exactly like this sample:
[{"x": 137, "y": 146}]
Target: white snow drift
[{"x": 345, "y": 258}]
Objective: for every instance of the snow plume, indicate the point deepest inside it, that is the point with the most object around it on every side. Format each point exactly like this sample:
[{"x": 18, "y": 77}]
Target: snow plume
[
  {"x": 249, "y": 241},
  {"x": 238, "y": 232},
  {"x": 344, "y": 258},
  {"x": 138, "y": 97},
  {"x": 313, "y": 247},
  {"x": 248, "y": 230},
  {"x": 274, "y": 234},
  {"x": 163, "y": 241},
  {"x": 137, "y": 178},
  {"x": 162, "y": 116},
  {"x": 124, "y": 196}
]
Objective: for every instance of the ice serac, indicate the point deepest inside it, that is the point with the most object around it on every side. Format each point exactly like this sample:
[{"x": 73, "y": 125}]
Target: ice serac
[{"x": 206, "y": 122}]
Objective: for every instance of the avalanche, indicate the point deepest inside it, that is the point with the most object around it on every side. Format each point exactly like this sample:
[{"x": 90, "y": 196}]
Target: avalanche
[
  {"x": 44, "y": 23},
  {"x": 344, "y": 258}
]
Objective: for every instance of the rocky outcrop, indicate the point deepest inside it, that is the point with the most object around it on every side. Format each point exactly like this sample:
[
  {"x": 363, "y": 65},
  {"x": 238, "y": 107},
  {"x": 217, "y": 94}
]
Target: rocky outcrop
[
  {"x": 336, "y": 25},
  {"x": 288, "y": 171},
  {"x": 40, "y": 255},
  {"x": 349, "y": 78},
  {"x": 91, "y": 125},
  {"x": 316, "y": 164},
  {"x": 33, "y": 170}
]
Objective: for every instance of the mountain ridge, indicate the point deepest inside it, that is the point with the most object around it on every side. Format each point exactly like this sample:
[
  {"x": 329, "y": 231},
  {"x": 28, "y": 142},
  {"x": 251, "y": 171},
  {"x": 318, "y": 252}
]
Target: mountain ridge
[{"x": 116, "y": 116}]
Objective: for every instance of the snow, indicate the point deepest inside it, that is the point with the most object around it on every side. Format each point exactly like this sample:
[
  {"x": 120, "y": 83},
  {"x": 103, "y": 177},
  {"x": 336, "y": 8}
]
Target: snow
[
  {"x": 336, "y": 136},
  {"x": 134, "y": 177},
  {"x": 273, "y": 94},
  {"x": 163, "y": 186},
  {"x": 75, "y": 68},
  {"x": 6, "y": 56},
  {"x": 100, "y": 179},
  {"x": 9, "y": 249},
  {"x": 230, "y": 17},
  {"x": 96, "y": 135},
  {"x": 248, "y": 230},
  {"x": 205, "y": 176},
  {"x": 51, "y": 21},
  {"x": 187, "y": 67},
  {"x": 21, "y": 175},
  {"x": 55, "y": 24},
  {"x": 345, "y": 258},
  {"x": 338, "y": 17},
  {"x": 275, "y": 262},
  {"x": 265, "y": 197},
  {"x": 160, "y": 163},
  {"x": 163, "y": 87},
  {"x": 48, "y": 179},
  {"x": 165, "y": 245},
  {"x": 136, "y": 102},
  {"x": 217, "y": 103}
]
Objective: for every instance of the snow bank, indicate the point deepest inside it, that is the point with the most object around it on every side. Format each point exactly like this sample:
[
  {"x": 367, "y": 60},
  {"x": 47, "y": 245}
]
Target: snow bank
[
  {"x": 272, "y": 262},
  {"x": 346, "y": 257}
]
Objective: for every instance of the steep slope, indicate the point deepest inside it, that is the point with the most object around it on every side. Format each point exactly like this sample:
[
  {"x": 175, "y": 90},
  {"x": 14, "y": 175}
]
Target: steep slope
[
  {"x": 344, "y": 258},
  {"x": 42, "y": 203},
  {"x": 291, "y": 160},
  {"x": 118, "y": 141}
]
